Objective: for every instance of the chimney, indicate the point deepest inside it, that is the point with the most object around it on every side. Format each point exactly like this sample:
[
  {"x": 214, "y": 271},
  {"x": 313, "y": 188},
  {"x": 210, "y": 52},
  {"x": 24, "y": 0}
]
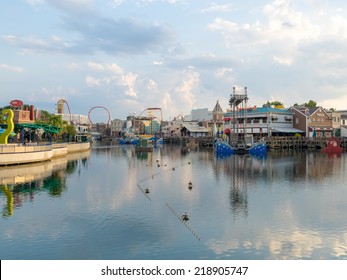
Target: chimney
[{"x": 32, "y": 113}]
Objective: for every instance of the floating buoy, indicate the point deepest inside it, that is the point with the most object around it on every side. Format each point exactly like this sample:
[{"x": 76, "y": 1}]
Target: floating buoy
[{"x": 185, "y": 217}]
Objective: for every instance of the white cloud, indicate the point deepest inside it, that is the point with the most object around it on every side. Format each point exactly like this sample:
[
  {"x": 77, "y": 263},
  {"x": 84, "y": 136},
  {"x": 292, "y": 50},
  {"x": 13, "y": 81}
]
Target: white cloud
[
  {"x": 338, "y": 102},
  {"x": 167, "y": 103},
  {"x": 158, "y": 62},
  {"x": 218, "y": 8},
  {"x": 114, "y": 68},
  {"x": 12, "y": 68},
  {"x": 73, "y": 66},
  {"x": 283, "y": 31},
  {"x": 116, "y": 3},
  {"x": 152, "y": 85},
  {"x": 189, "y": 81},
  {"x": 50, "y": 94},
  {"x": 291, "y": 50},
  {"x": 225, "y": 73},
  {"x": 129, "y": 80},
  {"x": 95, "y": 66},
  {"x": 109, "y": 67},
  {"x": 91, "y": 81},
  {"x": 283, "y": 60},
  {"x": 32, "y": 44},
  {"x": 114, "y": 75}
]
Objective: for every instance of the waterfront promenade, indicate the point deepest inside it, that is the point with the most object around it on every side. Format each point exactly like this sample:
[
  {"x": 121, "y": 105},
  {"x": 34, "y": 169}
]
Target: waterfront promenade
[{"x": 17, "y": 153}]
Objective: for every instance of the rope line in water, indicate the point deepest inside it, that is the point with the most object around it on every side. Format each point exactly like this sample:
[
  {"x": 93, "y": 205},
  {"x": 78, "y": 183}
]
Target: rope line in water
[
  {"x": 143, "y": 192},
  {"x": 184, "y": 222}
]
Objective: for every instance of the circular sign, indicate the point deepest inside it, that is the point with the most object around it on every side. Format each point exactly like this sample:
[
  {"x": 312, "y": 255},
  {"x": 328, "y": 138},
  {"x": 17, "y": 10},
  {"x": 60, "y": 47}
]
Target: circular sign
[{"x": 16, "y": 103}]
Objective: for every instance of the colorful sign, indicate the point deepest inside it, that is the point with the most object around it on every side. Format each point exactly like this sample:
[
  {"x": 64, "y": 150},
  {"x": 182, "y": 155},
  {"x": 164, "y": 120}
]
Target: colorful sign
[{"x": 16, "y": 103}]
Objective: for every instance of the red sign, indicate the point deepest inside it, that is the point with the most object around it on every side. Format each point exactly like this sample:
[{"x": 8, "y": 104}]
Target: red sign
[{"x": 16, "y": 103}]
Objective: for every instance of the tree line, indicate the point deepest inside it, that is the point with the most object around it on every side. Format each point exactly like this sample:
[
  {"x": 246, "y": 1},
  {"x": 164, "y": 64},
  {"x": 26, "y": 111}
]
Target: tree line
[{"x": 279, "y": 105}]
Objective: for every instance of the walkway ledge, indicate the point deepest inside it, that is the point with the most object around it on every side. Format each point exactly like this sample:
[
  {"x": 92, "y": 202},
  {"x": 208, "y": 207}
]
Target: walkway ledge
[{"x": 18, "y": 154}]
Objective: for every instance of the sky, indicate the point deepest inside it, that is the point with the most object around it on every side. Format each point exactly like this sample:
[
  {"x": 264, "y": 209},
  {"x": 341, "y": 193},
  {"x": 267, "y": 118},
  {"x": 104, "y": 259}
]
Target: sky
[{"x": 176, "y": 55}]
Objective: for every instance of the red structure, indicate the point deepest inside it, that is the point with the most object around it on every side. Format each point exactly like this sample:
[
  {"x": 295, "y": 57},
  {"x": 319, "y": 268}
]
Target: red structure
[
  {"x": 333, "y": 146},
  {"x": 101, "y": 107}
]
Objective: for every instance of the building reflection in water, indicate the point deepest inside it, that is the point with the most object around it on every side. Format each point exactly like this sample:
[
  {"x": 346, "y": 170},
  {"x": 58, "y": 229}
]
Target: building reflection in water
[
  {"x": 291, "y": 195},
  {"x": 247, "y": 171},
  {"x": 20, "y": 183}
]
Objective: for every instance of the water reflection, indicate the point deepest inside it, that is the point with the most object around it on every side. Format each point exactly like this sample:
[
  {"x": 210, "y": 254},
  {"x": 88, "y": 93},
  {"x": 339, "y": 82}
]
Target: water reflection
[
  {"x": 283, "y": 206},
  {"x": 294, "y": 205},
  {"x": 20, "y": 183}
]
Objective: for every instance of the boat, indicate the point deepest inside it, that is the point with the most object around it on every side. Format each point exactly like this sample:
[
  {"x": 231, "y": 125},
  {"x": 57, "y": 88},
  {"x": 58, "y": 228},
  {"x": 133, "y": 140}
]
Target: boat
[
  {"x": 129, "y": 139},
  {"x": 333, "y": 146},
  {"x": 144, "y": 145},
  {"x": 239, "y": 141},
  {"x": 223, "y": 148}
]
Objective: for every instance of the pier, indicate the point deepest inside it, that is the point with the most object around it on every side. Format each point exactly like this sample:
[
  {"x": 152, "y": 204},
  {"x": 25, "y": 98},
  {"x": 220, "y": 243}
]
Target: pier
[{"x": 273, "y": 143}]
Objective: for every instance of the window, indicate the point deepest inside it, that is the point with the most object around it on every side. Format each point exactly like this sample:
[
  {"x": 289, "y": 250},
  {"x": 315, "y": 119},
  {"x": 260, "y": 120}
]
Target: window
[{"x": 297, "y": 120}]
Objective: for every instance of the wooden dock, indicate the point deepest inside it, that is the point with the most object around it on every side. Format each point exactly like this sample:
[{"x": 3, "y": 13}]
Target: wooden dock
[{"x": 273, "y": 143}]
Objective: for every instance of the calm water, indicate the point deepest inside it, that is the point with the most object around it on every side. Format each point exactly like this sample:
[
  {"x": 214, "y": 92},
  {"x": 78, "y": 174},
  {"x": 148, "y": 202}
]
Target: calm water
[{"x": 94, "y": 206}]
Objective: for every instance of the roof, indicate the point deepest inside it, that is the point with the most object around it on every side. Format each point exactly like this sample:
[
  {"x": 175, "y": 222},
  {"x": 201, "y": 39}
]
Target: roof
[
  {"x": 263, "y": 110},
  {"x": 196, "y": 128},
  {"x": 217, "y": 108},
  {"x": 309, "y": 111},
  {"x": 271, "y": 110},
  {"x": 288, "y": 130},
  {"x": 45, "y": 127}
]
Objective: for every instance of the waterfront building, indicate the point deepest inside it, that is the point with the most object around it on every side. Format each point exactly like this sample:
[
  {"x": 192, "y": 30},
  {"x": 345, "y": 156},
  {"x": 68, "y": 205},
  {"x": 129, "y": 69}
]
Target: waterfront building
[
  {"x": 343, "y": 123},
  {"x": 133, "y": 124},
  {"x": 336, "y": 122},
  {"x": 117, "y": 126},
  {"x": 217, "y": 113},
  {"x": 81, "y": 122},
  {"x": 262, "y": 121},
  {"x": 102, "y": 128},
  {"x": 193, "y": 129},
  {"x": 201, "y": 115},
  {"x": 151, "y": 127},
  {"x": 75, "y": 119},
  {"x": 315, "y": 121},
  {"x": 173, "y": 127},
  {"x": 26, "y": 116}
]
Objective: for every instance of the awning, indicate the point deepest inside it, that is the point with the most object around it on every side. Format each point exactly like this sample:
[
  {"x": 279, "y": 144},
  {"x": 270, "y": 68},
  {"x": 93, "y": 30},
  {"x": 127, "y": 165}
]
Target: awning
[
  {"x": 321, "y": 128},
  {"x": 287, "y": 130},
  {"x": 45, "y": 127}
]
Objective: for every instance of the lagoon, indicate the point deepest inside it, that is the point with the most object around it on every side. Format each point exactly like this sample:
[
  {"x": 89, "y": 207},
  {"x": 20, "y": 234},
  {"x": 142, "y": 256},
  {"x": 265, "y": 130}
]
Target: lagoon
[{"x": 94, "y": 205}]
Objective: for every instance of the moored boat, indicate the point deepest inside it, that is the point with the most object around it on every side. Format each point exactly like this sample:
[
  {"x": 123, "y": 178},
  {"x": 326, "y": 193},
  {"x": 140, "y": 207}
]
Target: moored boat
[
  {"x": 333, "y": 146},
  {"x": 239, "y": 141}
]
